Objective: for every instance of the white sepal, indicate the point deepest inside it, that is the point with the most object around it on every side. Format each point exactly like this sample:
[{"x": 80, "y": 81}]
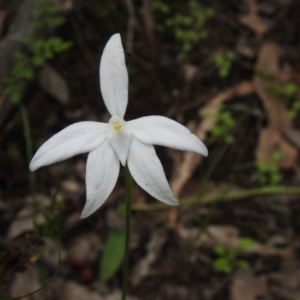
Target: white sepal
[
  {"x": 158, "y": 130},
  {"x": 102, "y": 172},
  {"x": 147, "y": 171},
  {"x": 120, "y": 141},
  {"x": 114, "y": 77},
  {"x": 75, "y": 139}
]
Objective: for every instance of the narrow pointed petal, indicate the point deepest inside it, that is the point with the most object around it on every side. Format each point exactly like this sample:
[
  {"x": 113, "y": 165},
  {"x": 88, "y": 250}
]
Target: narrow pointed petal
[
  {"x": 114, "y": 77},
  {"x": 147, "y": 171},
  {"x": 163, "y": 131},
  {"x": 120, "y": 141},
  {"x": 75, "y": 139},
  {"x": 102, "y": 172}
]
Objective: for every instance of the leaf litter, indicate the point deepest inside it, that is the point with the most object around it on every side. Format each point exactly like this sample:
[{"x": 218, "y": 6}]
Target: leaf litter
[{"x": 161, "y": 267}]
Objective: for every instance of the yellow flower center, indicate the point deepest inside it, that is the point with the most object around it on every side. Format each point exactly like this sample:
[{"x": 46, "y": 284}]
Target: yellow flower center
[
  {"x": 116, "y": 122},
  {"x": 117, "y": 127}
]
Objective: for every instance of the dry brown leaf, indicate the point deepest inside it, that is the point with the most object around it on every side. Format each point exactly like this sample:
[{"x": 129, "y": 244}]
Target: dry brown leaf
[
  {"x": 76, "y": 291},
  {"x": 71, "y": 185},
  {"x": 245, "y": 286},
  {"x": 253, "y": 21},
  {"x": 25, "y": 283},
  {"x": 271, "y": 138},
  {"x": 226, "y": 236},
  {"x": 189, "y": 71},
  {"x": 54, "y": 84},
  {"x": 244, "y": 48},
  {"x": 116, "y": 295},
  {"x": 292, "y": 135},
  {"x": 23, "y": 222},
  {"x": 286, "y": 282},
  {"x": 185, "y": 166},
  {"x": 50, "y": 253},
  {"x": 142, "y": 269},
  {"x": 85, "y": 247},
  {"x": 66, "y": 5}
]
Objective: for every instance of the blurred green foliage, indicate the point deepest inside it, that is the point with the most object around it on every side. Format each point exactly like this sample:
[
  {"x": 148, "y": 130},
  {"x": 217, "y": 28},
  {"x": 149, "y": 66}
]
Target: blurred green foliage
[
  {"x": 224, "y": 125},
  {"x": 37, "y": 49},
  {"x": 289, "y": 91},
  {"x": 269, "y": 173},
  {"x": 188, "y": 27},
  {"x": 20, "y": 74},
  {"x": 223, "y": 62},
  {"x": 46, "y": 14},
  {"x": 113, "y": 250},
  {"x": 227, "y": 259}
]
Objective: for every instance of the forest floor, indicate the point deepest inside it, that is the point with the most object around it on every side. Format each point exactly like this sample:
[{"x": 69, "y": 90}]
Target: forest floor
[{"x": 230, "y": 72}]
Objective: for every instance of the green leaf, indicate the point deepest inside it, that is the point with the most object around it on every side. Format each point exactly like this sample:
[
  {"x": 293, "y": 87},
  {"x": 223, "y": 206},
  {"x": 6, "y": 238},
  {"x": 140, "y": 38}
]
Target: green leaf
[
  {"x": 220, "y": 250},
  {"x": 222, "y": 264},
  {"x": 243, "y": 264},
  {"x": 15, "y": 97},
  {"x": 121, "y": 209},
  {"x": 289, "y": 89},
  {"x": 276, "y": 156},
  {"x": 113, "y": 254},
  {"x": 38, "y": 60},
  {"x": 296, "y": 104},
  {"x": 246, "y": 243},
  {"x": 291, "y": 114},
  {"x": 229, "y": 139},
  {"x": 27, "y": 73}
]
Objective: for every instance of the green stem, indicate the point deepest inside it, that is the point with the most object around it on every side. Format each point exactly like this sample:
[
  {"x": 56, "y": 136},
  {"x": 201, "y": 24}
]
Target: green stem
[
  {"x": 129, "y": 183},
  {"x": 28, "y": 141}
]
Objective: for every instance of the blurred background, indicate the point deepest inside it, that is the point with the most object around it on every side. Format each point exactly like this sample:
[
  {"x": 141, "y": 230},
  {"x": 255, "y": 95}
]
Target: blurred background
[{"x": 230, "y": 72}]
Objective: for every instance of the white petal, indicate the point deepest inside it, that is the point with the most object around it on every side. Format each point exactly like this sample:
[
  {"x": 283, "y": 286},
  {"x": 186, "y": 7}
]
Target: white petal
[
  {"x": 163, "y": 131},
  {"x": 75, "y": 139},
  {"x": 102, "y": 172},
  {"x": 114, "y": 77},
  {"x": 147, "y": 171},
  {"x": 120, "y": 141}
]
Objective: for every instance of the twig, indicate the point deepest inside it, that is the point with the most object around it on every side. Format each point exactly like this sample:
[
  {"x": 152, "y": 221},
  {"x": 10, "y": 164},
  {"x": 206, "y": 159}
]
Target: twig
[
  {"x": 131, "y": 24},
  {"x": 149, "y": 26},
  {"x": 233, "y": 195}
]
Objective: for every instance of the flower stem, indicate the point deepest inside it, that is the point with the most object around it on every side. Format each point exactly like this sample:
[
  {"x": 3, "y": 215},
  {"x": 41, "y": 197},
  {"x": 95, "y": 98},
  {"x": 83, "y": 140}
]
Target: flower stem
[
  {"x": 28, "y": 141},
  {"x": 128, "y": 182}
]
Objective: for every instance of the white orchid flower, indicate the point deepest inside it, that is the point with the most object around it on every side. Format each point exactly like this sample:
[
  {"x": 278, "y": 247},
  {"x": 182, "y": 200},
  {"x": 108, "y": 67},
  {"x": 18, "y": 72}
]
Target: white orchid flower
[{"x": 117, "y": 140}]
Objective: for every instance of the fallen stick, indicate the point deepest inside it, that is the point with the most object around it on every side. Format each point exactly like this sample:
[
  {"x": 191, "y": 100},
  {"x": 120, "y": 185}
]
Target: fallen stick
[{"x": 227, "y": 196}]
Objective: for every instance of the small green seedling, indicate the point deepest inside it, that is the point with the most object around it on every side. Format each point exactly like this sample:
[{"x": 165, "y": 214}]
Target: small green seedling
[
  {"x": 188, "y": 28},
  {"x": 224, "y": 125},
  {"x": 37, "y": 49},
  {"x": 227, "y": 260},
  {"x": 269, "y": 173},
  {"x": 223, "y": 62},
  {"x": 289, "y": 91}
]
